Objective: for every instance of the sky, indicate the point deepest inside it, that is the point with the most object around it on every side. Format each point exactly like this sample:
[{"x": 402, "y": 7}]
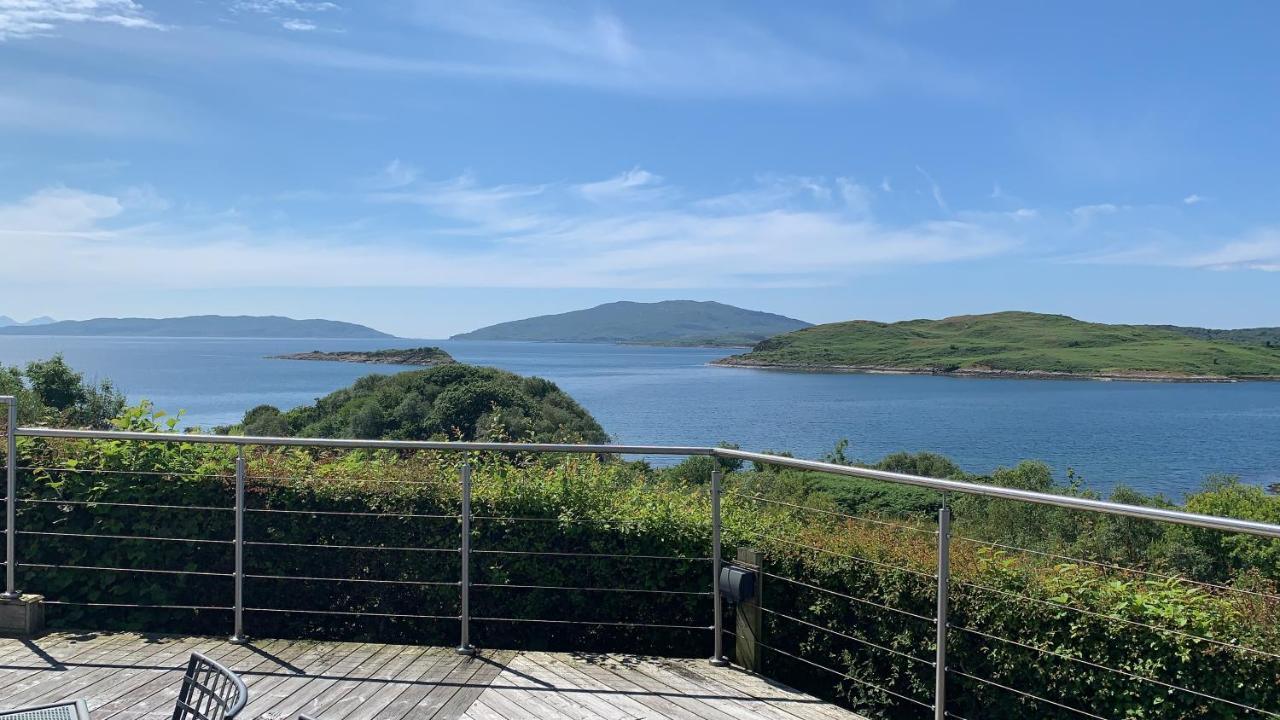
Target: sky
[{"x": 431, "y": 167}]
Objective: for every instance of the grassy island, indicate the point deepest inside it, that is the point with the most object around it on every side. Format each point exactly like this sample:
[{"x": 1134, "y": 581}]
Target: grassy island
[
  {"x": 423, "y": 356},
  {"x": 1013, "y": 344}
]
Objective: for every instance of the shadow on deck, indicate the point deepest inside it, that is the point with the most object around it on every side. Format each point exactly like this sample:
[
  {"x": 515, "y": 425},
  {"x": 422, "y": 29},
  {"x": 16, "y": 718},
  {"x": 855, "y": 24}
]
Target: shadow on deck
[{"x": 129, "y": 676}]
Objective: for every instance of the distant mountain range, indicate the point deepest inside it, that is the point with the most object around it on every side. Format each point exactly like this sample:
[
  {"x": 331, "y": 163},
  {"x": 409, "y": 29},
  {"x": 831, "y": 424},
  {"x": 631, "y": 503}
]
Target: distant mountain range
[
  {"x": 670, "y": 322},
  {"x": 203, "y": 326},
  {"x": 6, "y": 321}
]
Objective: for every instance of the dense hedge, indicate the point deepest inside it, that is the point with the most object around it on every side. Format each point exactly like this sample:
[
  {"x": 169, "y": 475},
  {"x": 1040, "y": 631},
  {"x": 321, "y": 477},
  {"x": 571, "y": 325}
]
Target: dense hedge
[{"x": 1145, "y": 627}]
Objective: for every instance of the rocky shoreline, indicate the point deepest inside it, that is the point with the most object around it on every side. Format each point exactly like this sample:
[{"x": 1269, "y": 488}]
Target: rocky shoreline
[
  {"x": 1133, "y": 376},
  {"x": 422, "y": 357}
]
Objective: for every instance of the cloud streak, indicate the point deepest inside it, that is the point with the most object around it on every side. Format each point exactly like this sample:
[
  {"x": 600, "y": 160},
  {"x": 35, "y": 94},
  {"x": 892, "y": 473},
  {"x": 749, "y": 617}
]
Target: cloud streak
[
  {"x": 21, "y": 19},
  {"x": 469, "y": 234}
]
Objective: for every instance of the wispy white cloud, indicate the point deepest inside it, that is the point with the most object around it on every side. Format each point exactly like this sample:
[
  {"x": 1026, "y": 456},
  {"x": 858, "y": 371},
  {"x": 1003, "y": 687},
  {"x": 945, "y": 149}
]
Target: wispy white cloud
[
  {"x": 1257, "y": 250},
  {"x": 21, "y": 19},
  {"x": 290, "y": 14},
  {"x": 700, "y": 55},
  {"x": 1192, "y": 199},
  {"x": 470, "y": 234},
  {"x": 630, "y": 185},
  {"x": 395, "y": 174},
  {"x": 781, "y": 231},
  {"x": 935, "y": 190},
  {"x": 59, "y": 211},
  {"x": 298, "y": 24}
]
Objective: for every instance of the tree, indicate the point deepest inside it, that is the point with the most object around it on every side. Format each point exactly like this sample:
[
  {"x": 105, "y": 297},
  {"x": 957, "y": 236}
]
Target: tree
[{"x": 51, "y": 392}]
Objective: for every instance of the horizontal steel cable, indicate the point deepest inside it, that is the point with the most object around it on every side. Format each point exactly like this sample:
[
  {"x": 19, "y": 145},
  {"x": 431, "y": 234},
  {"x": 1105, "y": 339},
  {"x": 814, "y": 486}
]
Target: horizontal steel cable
[
  {"x": 1117, "y": 671},
  {"x": 847, "y": 676},
  {"x": 589, "y": 589},
  {"x": 600, "y": 521},
  {"x": 106, "y": 471},
  {"x": 131, "y": 570},
  {"x": 425, "y": 583},
  {"x": 279, "y": 479},
  {"x": 1126, "y": 621},
  {"x": 856, "y": 518},
  {"x": 593, "y": 622},
  {"x": 876, "y": 563},
  {"x": 596, "y": 555},
  {"x": 858, "y": 640},
  {"x": 264, "y": 543},
  {"x": 351, "y": 513},
  {"x": 1026, "y": 694},
  {"x": 1120, "y": 568},
  {"x": 138, "y": 606},
  {"x": 96, "y": 503},
  {"x": 854, "y": 598},
  {"x": 352, "y": 613},
  {"x": 128, "y": 537}
]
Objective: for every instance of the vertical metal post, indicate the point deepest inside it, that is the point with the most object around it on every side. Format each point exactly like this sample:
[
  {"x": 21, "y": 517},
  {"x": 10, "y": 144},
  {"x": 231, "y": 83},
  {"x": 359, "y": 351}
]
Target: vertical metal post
[
  {"x": 944, "y": 584},
  {"x": 11, "y": 503},
  {"x": 717, "y": 656},
  {"x": 238, "y": 636},
  {"x": 464, "y": 644}
]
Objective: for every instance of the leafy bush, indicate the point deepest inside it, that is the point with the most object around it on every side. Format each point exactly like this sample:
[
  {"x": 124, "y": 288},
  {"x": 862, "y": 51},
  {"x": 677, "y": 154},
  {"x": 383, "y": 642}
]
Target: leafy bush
[
  {"x": 454, "y": 402},
  {"x": 49, "y": 392}
]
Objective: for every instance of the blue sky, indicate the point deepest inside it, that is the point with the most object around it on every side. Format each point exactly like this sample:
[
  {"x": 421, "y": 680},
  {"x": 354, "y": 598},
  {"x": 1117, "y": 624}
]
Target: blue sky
[{"x": 429, "y": 167}]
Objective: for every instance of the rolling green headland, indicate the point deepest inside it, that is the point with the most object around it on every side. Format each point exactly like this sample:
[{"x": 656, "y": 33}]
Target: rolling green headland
[{"x": 1013, "y": 344}]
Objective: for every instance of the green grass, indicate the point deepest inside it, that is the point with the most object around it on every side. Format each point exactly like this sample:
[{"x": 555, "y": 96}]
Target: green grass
[{"x": 1012, "y": 341}]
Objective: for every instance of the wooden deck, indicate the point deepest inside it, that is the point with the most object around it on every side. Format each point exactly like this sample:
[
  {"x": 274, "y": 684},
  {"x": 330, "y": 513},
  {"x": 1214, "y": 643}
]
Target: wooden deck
[{"x": 127, "y": 676}]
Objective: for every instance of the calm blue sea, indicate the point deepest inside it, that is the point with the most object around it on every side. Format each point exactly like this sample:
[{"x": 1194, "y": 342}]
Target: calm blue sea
[{"x": 1163, "y": 437}]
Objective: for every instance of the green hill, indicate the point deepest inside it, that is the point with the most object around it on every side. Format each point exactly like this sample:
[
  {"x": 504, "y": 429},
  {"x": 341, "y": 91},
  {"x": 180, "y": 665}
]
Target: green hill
[
  {"x": 242, "y": 326},
  {"x": 1012, "y": 343},
  {"x": 670, "y": 322},
  {"x": 1268, "y": 336}
]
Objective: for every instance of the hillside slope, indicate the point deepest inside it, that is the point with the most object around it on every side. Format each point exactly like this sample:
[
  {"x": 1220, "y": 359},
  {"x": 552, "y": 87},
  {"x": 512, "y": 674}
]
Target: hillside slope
[
  {"x": 1011, "y": 343},
  {"x": 1269, "y": 336},
  {"x": 670, "y": 322},
  {"x": 243, "y": 326}
]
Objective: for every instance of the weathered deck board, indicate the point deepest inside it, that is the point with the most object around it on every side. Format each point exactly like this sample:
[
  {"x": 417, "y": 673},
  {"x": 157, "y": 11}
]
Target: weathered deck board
[{"x": 128, "y": 676}]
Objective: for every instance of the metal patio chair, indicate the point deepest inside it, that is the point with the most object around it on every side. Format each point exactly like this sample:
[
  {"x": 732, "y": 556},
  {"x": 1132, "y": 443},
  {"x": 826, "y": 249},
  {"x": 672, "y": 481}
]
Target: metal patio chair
[{"x": 209, "y": 692}]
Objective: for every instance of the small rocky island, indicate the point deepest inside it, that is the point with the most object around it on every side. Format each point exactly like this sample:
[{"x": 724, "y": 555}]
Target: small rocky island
[{"x": 423, "y": 356}]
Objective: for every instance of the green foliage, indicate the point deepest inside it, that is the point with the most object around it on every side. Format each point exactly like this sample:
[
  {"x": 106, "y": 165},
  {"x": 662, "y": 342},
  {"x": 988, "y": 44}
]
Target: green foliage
[
  {"x": 50, "y": 392},
  {"x": 1065, "y": 619},
  {"x": 1013, "y": 341},
  {"x": 454, "y": 401}
]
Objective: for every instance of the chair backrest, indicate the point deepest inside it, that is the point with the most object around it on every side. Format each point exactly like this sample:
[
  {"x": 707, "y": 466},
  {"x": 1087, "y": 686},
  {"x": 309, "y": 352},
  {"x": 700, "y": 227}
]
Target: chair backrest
[{"x": 209, "y": 692}]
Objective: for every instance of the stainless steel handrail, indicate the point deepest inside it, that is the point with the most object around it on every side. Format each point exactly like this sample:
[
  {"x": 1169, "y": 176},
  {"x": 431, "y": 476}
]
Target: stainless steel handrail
[{"x": 1077, "y": 503}]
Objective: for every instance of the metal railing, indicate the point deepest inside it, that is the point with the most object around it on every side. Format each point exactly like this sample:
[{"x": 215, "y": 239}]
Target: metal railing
[{"x": 940, "y": 578}]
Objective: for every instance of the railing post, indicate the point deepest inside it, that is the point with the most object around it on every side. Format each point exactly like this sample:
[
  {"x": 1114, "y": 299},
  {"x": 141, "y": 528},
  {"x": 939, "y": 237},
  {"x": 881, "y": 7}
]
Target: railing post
[
  {"x": 464, "y": 617},
  {"x": 944, "y": 585},
  {"x": 238, "y": 637},
  {"x": 11, "y": 503},
  {"x": 717, "y": 656}
]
